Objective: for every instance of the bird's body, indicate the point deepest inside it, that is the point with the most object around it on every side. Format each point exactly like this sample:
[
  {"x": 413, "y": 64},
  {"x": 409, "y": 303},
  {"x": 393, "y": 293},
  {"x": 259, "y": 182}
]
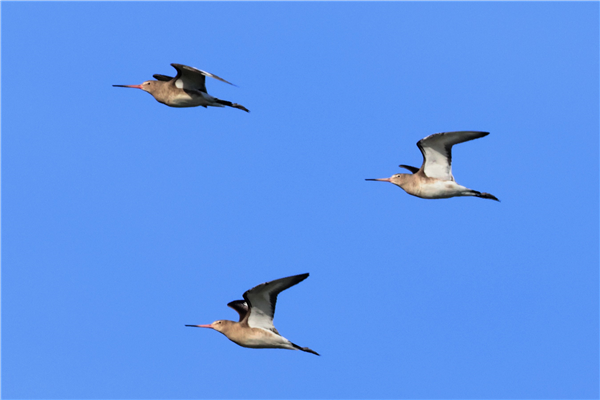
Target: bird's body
[
  {"x": 183, "y": 97},
  {"x": 430, "y": 188},
  {"x": 254, "y": 338},
  {"x": 186, "y": 89},
  {"x": 255, "y": 327},
  {"x": 434, "y": 179}
]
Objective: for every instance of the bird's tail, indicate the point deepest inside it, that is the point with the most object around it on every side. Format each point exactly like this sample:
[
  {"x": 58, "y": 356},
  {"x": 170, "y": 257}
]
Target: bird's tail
[
  {"x": 306, "y": 349},
  {"x": 230, "y": 104}
]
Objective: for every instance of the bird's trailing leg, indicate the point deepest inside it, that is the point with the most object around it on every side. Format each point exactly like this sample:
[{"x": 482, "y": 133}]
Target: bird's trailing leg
[
  {"x": 484, "y": 195},
  {"x": 230, "y": 104},
  {"x": 306, "y": 349}
]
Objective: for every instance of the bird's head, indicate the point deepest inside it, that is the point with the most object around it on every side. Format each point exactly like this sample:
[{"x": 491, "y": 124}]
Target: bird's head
[
  {"x": 148, "y": 86},
  {"x": 396, "y": 179},
  {"x": 218, "y": 326}
]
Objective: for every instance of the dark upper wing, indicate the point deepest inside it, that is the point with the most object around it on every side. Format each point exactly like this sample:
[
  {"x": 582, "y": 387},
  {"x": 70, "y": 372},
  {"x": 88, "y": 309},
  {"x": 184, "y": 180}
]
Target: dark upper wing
[
  {"x": 437, "y": 152},
  {"x": 192, "y": 78},
  {"x": 262, "y": 298},
  {"x": 414, "y": 170},
  {"x": 241, "y": 307},
  {"x": 160, "y": 77}
]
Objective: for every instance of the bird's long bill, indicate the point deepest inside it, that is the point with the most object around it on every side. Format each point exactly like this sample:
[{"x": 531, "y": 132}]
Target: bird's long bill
[
  {"x": 379, "y": 179},
  {"x": 201, "y": 326},
  {"x": 129, "y": 86}
]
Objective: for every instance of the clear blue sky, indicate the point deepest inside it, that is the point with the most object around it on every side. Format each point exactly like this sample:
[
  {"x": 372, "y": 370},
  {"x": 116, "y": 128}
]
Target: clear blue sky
[{"x": 123, "y": 219}]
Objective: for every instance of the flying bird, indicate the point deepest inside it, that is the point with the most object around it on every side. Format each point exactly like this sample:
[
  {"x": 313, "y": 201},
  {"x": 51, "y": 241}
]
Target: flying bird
[
  {"x": 434, "y": 179},
  {"x": 255, "y": 327},
  {"x": 186, "y": 89}
]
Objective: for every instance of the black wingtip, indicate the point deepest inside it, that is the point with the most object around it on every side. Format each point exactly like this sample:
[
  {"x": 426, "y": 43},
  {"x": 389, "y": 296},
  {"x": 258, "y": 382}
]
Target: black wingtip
[{"x": 303, "y": 276}]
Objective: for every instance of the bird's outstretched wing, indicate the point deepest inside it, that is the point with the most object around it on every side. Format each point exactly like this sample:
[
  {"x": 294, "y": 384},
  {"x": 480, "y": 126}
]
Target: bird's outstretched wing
[
  {"x": 437, "y": 152},
  {"x": 414, "y": 170},
  {"x": 241, "y": 307},
  {"x": 192, "y": 78},
  {"x": 262, "y": 299},
  {"x": 163, "y": 78}
]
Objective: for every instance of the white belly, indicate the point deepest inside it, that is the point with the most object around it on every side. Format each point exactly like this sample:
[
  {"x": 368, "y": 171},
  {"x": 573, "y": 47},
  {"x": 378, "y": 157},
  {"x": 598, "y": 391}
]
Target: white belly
[
  {"x": 185, "y": 99},
  {"x": 441, "y": 190},
  {"x": 264, "y": 339}
]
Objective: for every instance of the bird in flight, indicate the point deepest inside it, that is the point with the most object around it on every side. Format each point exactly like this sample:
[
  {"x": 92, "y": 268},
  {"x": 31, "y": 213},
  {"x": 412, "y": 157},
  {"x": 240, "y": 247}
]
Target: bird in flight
[
  {"x": 255, "y": 327},
  {"x": 434, "y": 179},
  {"x": 186, "y": 89}
]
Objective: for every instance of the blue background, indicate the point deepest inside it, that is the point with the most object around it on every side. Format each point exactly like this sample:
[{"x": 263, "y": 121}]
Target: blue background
[{"x": 123, "y": 219}]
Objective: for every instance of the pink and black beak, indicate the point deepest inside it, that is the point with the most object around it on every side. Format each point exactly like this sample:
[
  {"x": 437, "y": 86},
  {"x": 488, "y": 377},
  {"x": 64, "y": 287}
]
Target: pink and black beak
[
  {"x": 202, "y": 326},
  {"x": 379, "y": 179},
  {"x": 129, "y": 86}
]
